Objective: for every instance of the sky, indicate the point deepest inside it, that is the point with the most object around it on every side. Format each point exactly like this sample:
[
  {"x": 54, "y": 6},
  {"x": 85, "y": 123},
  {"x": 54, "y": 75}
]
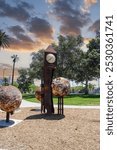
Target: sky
[{"x": 34, "y": 24}]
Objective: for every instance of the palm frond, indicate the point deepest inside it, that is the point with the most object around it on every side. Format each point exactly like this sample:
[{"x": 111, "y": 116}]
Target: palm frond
[{"x": 4, "y": 39}]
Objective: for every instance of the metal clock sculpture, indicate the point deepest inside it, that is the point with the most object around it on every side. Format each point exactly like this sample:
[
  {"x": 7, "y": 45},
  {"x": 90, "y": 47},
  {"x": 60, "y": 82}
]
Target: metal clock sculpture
[{"x": 50, "y": 62}]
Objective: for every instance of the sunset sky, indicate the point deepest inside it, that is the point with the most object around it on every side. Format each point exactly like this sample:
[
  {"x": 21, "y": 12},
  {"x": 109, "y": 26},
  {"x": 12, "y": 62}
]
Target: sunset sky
[{"x": 34, "y": 24}]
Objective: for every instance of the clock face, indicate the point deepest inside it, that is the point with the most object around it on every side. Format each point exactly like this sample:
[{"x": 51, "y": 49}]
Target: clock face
[{"x": 50, "y": 58}]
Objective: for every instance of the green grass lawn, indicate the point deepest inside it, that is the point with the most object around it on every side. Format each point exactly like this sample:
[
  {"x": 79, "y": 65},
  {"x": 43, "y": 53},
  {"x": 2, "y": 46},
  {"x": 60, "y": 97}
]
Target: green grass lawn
[{"x": 70, "y": 99}]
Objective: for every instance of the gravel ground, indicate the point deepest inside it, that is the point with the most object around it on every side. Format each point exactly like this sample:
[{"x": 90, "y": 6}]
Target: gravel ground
[{"x": 79, "y": 129}]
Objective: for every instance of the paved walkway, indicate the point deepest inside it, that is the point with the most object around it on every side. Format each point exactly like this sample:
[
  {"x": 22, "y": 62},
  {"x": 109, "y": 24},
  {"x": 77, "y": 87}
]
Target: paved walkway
[{"x": 31, "y": 104}]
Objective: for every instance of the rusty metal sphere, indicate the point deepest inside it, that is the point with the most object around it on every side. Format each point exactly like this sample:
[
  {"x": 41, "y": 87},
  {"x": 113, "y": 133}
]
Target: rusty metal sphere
[
  {"x": 60, "y": 86},
  {"x": 10, "y": 98}
]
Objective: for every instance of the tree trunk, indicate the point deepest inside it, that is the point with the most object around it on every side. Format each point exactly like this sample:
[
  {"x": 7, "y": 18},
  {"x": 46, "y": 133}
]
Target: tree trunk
[
  {"x": 13, "y": 73},
  {"x": 86, "y": 87}
]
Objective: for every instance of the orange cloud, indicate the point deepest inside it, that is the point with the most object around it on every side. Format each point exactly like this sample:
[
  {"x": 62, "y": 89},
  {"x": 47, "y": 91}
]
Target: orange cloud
[
  {"x": 90, "y": 2},
  {"x": 51, "y": 1},
  {"x": 85, "y": 41},
  {"x": 28, "y": 46},
  {"x": 87, "y": 4},
  {"x": 37, "y": 35}
]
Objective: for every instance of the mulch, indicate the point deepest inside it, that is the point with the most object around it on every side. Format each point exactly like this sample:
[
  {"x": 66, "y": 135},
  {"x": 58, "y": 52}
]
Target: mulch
[{"x": 77, "y": 129}]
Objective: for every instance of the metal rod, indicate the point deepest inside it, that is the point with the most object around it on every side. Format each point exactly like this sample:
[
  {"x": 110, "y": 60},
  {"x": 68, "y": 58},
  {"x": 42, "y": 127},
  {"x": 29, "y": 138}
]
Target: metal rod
[
  {"x": 58, "y": 105},
  {"x": 7, "y": 116},
  {"x": 62, "y": 107}
]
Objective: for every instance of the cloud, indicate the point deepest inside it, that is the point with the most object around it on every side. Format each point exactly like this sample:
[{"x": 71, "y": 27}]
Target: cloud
[
  {"x": 16, "y": 29},
  {"x": 23, "y": 45},
  {"x": 41, "y": 29},
  {"x": 26, "y": 5},
  {"x": 85, "y": 42},
  {"x": 87, "y": 4},
  {"x": 95, "y": 27},
  {"x": 51, "y": 1},
  {"x": 37, "y": 36},
  {"x": 19, "y": 33},
  {"x": 36, "y": 32},
  {"x": 20, "y": 40},
  {"x": 18, "y": 12},
  {"x": 68, "y": 14},
  {"x": 90, "y": 2}
]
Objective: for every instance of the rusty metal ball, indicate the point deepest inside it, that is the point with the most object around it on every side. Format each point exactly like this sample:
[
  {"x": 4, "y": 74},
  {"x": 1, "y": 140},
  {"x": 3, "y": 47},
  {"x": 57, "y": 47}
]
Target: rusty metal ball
[
  {"x": 10, "y": 98},
  {"x": 60, "y": 86}
]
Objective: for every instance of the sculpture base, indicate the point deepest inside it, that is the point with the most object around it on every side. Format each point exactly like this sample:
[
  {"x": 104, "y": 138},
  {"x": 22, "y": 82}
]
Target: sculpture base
[{"x": 11, "y": 123}]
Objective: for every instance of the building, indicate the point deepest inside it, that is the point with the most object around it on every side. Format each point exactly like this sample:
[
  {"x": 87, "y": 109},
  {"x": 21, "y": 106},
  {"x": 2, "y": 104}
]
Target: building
[{"x": 6, "y": 72}]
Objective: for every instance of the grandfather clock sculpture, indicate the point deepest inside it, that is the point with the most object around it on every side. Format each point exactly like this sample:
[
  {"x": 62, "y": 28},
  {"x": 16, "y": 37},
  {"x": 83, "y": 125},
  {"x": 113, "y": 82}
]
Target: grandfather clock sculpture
[{"x": 50, "y": 62}]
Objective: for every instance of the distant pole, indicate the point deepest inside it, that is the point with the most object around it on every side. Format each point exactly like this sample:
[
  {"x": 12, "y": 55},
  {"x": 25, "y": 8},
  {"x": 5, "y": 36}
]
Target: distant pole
[
  {"x": 15, "y": 58},
  {"x": 13, "y": 72}
]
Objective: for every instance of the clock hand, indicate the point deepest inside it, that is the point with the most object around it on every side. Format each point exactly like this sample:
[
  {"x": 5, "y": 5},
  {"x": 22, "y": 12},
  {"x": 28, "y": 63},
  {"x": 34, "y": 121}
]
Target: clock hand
[{"x": 49, "y": 58}]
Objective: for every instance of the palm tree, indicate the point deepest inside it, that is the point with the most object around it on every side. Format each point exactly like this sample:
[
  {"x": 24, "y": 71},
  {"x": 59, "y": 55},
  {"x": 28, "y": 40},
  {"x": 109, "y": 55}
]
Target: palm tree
[
  {"x": 4, "y": 40},
  {"x": 15, "y": 58}
]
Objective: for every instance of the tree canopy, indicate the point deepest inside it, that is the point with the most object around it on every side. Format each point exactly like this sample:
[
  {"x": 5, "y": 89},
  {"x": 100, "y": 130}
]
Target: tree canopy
[
  {"x": 68, "y": 55},
  {"x": 24, "y": 80},
  {"x": 36, "y": 66},
  {"x": 89, "y": 66}
]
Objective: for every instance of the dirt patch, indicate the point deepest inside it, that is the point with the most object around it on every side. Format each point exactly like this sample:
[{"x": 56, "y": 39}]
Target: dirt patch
[{"x": 78, "y": 129}]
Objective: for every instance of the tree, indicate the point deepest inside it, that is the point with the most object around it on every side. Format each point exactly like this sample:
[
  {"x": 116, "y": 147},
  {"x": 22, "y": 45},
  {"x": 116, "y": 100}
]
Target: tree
[
  {"x": 24, "y": 81},
  {"x": 5, "y": 81},
  {"x": 15, "y": 58},
  {"x": 68, "y": 55},
  {"x": 4, "y": 40},
  {"x": 36, "y": 66},
  {"x": 89, "y": 66}
]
